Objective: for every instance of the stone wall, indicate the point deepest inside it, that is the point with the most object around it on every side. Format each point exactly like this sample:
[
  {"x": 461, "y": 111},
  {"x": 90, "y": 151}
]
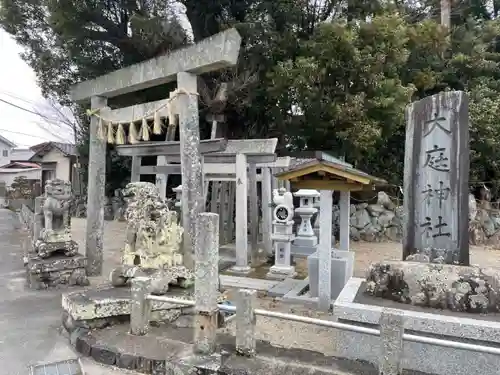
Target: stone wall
[{"x": 382, "y": 221}]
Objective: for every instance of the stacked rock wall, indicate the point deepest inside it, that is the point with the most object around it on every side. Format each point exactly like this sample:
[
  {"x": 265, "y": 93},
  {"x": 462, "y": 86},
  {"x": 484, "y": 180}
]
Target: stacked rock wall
[{"x": 383, "y": 221}]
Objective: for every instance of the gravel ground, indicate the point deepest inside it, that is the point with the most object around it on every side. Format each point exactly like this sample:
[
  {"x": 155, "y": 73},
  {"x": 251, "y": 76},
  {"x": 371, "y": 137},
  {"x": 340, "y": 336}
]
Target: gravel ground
[{"x": 279, "y": 332}]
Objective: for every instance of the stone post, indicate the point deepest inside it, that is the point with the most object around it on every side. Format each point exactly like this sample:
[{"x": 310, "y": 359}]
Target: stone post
[
  {"x": 325, "y": 251},
  {"x": 391, "y": 342},
  {"x": 193, "y": 200},
  {"x": 141, "y": 306},
  {"x": 95, "y": 193},
  {"x": 162, "y": 179},
  {"x": 135, "y": 173},
  {"x": 38, "y": 218},
  {"x": 241, "y": 216},
  {"x": 317, "y": 205},
  {"x": 206, "y": 282},
  {"x": 345, "y": 219},
  {"x": 37, "y": 189},
  {"x": 267, "y": 200},
  {"x": 254, "y": 213},
  {"x": 178, "y": 197},
  {"x": 245, "y": 322}
]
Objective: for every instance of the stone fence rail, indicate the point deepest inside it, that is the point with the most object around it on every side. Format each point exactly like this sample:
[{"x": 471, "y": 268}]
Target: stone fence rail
[{"x": 390, "y": 330}]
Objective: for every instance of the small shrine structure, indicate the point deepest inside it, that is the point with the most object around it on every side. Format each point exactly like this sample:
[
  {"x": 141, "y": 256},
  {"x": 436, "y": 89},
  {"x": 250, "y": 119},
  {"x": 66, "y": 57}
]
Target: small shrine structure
[{"x": 327, "y": 173}]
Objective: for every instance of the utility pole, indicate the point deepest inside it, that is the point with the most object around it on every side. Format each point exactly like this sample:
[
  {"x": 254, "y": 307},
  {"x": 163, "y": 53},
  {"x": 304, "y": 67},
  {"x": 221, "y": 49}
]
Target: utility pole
[{"x": 446, "y": 13}]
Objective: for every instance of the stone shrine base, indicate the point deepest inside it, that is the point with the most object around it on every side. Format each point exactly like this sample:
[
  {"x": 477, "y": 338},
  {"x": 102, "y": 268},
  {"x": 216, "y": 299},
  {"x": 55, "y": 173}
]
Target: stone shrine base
[
  {"x": 56, "y": 270},
  {"x": 444, "y": 286},
  {"x": 102, "y": 307},
  {"x": 353, "y": 307},
  {"x": 168, "y": 350},
  {"x": 106, "y": 306}
]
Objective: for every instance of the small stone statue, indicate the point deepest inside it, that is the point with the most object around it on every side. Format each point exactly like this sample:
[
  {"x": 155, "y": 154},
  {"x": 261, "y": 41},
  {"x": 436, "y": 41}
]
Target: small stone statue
[
  {"x": 54, "y": 212},
  {"x": 153, "y": 241}
]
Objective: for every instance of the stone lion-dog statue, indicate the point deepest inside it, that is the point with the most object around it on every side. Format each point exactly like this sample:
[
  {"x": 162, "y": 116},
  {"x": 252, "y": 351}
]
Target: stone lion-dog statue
[
  {"x": 56, "y": 232},
  {"x": 153, "y": 241}
]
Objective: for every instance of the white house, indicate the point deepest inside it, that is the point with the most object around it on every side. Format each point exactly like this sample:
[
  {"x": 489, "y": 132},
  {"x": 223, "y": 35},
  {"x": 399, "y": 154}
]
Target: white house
[
  {"x": 6, "y": 148},
  {"x": 30, "y": 171},
  {"x": 57, "y": 160},
  {"x": 42, "y": 162}
]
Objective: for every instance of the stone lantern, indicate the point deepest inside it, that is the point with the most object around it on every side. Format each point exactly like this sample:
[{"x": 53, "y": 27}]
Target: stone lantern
[{"x": 305, "y": 234}]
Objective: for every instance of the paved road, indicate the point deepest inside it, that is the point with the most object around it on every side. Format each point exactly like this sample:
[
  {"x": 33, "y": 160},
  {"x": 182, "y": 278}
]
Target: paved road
[{"x": 30, "y": 321}]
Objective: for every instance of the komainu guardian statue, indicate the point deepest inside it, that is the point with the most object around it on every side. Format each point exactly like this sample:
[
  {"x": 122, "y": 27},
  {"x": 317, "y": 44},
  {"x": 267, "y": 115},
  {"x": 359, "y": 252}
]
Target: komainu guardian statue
[
  {"x": 153, "y": 241},
  {"x": 53, "y": 212}
]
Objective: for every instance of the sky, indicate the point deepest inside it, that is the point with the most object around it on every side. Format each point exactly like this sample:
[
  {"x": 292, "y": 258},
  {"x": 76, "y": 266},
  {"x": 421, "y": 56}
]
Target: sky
[{"x": 18, "y": 86}]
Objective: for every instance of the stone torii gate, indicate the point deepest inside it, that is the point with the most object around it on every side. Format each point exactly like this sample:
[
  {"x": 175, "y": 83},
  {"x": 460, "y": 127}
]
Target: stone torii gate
[{"x": 216, "y": 52}]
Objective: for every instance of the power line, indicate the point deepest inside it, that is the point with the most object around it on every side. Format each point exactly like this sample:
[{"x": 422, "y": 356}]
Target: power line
[
  {"x": 22, "y": 109},
  {"x": 27, "y": 135},
  {"x": 37, "y": 114}
]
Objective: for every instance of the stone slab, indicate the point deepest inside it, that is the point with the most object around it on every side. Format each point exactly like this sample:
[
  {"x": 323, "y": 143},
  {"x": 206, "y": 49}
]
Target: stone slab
[
  {"x": 215, "y": 52},
  {"x": 55, "y": 263},
  {"x": 168, "y": 351},
  {"x": 282, "y": 288},
  {"x": 228, "y": 281},
  {"x": 168, "y": 148},
  {"x": 424, "y": 357},
  {"x": 300, "y": 294},
  {"x": 110, "y": 302},
  {"x": 251, "y": 146}
]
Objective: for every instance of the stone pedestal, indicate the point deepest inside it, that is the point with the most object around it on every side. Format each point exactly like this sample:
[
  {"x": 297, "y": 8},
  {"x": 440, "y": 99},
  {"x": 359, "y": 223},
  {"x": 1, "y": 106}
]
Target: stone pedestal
[
  {"x": 282, "y": 237},
  {"x": 56, "y": 270},
  {"x": 342, "y": 269},
  {"x": 50, "y": 243}
]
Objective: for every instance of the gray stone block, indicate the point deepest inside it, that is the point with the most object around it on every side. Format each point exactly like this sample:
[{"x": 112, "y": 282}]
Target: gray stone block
[
  {"x": 282, "y": 288},
  {"x": 427, "y": 358},
  {"x": 302, "y": 251},
  {"x": 342, "y": 268}
]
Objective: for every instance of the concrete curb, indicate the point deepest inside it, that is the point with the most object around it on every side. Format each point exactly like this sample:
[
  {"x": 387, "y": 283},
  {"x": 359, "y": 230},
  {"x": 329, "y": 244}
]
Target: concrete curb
[{"x": 276, "y": 360}]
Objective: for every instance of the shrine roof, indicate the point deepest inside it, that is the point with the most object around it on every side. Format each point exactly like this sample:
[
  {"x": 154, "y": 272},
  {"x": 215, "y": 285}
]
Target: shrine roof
[{"x": 325, "y": 170}]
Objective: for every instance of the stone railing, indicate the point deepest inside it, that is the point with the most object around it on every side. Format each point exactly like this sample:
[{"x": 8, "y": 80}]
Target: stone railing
[{"x": 390, "y": 330}]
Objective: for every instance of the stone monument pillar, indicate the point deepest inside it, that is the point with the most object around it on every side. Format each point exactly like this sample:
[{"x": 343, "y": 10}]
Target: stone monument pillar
[{"x": 436, "y": 179}]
